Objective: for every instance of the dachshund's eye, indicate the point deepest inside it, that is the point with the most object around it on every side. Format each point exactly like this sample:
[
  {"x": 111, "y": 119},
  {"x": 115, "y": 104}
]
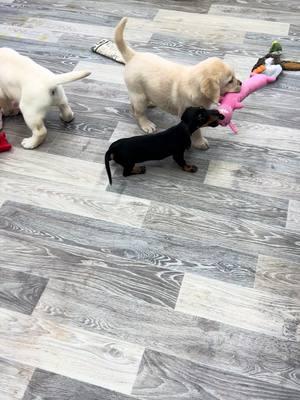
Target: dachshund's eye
[{"x": 231, "y": 80}]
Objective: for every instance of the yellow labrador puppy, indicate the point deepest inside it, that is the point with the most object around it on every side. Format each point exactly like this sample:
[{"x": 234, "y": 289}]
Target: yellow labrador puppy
[
  {"x": 33, "y": 89},
  {"x": 152, "y": 80}
]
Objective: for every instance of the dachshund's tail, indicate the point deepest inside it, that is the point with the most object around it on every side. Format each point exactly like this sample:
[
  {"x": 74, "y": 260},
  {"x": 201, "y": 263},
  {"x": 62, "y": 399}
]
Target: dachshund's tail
[
  {"x": 107, "y": 166},
  {"x": 124, "y": 49}
]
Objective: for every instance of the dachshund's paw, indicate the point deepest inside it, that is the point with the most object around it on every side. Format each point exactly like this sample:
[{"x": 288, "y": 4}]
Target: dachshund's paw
[
  {"x": 136, "y": 170},
  {"x": 190, "y": 168},
  {"x": 148, "y": 126},
  {"x": 201, "y": 144}
]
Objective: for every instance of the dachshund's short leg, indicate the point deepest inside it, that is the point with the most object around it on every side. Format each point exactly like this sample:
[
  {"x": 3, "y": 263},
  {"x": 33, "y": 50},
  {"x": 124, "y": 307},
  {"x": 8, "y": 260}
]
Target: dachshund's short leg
[
  {"x": 138, "y": 170},
  {"x": 134, "y": 170},
  {"x": 127, "y": 169},
  {"x": 179, "y": 158},
  {"x": 190, "y": 168}
]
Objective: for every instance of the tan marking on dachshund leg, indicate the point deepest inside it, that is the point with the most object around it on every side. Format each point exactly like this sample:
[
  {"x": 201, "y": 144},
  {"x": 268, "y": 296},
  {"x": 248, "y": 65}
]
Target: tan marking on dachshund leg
[
  {"x": 136, "y": 170},
  {"x": 190, "y": 168}
]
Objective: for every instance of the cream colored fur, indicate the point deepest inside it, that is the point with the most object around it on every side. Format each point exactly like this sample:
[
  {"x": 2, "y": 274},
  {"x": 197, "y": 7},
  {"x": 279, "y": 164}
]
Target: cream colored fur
[
  {"x": 33, "y": 89},
  {"x": 152, "y": 80}
]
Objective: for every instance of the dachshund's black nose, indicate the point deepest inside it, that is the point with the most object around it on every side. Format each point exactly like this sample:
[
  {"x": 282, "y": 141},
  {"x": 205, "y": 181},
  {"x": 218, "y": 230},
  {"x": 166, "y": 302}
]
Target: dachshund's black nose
[
  {"x": 217, "y": 114},
  {"x": 239, "y": 82}
]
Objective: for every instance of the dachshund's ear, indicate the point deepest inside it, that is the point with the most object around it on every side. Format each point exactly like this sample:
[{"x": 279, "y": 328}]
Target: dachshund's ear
[
  {"x": 210, "y": 88},
  {"x": 186, "y": 116}
]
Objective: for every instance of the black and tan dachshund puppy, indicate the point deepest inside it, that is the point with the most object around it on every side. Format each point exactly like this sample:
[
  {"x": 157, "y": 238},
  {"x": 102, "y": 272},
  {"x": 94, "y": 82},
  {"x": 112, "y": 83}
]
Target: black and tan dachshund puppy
[{"x": 171, "y": 142}]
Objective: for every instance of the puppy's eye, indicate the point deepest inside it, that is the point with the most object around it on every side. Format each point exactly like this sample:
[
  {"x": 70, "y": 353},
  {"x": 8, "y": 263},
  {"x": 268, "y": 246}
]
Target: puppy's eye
[{"x": 231, "y": 80}]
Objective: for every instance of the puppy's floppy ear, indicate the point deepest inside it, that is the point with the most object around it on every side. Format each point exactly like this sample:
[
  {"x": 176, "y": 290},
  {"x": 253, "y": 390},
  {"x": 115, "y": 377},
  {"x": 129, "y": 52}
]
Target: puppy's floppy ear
[{"x": 211, "y": 89}]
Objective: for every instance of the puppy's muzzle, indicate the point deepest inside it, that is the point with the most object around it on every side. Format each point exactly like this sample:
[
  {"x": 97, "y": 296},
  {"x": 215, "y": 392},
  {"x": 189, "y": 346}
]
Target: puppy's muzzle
[{"x": 238, "y": 87}]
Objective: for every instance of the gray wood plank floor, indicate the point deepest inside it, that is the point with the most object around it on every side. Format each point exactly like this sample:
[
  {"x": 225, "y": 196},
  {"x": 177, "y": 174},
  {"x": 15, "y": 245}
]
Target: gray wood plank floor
[{"x": 167, "y": 285}]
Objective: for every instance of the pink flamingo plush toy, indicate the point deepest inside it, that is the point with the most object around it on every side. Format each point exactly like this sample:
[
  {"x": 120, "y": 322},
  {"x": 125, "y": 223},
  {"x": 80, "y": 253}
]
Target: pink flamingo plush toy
[{"x": 233, "y": 101}]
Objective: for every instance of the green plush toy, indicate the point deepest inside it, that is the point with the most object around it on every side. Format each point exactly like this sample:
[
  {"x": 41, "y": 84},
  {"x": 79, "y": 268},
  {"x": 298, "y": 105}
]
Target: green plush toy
[
  {"x": 276, "y": 47},
  {"x": 275, "y": 52}
]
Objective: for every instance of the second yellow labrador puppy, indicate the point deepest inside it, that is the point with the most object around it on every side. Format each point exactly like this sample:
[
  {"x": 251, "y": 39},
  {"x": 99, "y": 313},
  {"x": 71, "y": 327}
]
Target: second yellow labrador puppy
[{"x": 152, "y": 80}]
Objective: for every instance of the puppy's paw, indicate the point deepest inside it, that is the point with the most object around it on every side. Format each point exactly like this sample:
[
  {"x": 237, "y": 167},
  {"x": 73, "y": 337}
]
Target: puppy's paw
[
  {"x": 201, "y": 144},
  {"x": 67, "y": 117},
  {"x": 30, "y": 143},
  {"x": 148, "y": 126},
  {"x": 190, "y": 168}
]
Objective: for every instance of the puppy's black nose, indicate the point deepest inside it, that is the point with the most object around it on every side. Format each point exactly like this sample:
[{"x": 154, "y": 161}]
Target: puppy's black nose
[{"x": 239, "y": 82}]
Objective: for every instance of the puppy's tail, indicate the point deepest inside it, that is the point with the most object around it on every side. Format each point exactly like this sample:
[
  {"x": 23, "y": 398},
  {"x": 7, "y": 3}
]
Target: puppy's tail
[
  {"x": 124, "y": 49},
  {"x": 60, "y": 79},
  {"x": 107, "y": 166}
]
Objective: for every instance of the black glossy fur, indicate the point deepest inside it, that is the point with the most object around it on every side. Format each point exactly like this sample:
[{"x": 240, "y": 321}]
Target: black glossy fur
[{"x": 171, "y": 142}]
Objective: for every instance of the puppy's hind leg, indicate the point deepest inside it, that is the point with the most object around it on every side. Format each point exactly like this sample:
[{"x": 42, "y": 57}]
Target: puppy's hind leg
[
  {"x": 60, "y": 99},
  {"x": 36, "y": 123},
  {"x": 7, "y": 106},
  {"x": 139, "y": 104},
  {"x": 66, "y": 113}
]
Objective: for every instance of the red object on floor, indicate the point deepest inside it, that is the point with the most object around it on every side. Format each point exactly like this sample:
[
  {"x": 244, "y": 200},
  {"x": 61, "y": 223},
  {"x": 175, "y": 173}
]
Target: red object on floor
[{"x": 4, "y": 145}]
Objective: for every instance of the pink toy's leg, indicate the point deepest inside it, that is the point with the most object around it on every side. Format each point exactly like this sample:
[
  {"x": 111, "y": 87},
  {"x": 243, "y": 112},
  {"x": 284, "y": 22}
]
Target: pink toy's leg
[{"x": 233, "y": 127}]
